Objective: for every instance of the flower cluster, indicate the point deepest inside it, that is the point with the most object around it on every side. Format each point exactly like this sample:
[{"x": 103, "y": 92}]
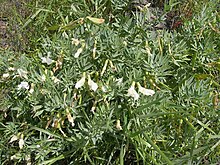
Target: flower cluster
[
  {"x": 133, "y": 93},
  {"x": 76, "y": 42},
  {"x": 92, "y": 85}
]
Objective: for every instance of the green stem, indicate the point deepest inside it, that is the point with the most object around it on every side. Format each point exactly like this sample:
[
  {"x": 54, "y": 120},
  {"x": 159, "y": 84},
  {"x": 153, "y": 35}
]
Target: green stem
[{"x": 157, "y": 149}]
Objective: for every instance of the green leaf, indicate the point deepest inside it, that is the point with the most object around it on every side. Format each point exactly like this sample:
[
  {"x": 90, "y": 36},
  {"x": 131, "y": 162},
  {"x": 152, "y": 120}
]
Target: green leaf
[
  {"x": 38, "y": 113},
  {"x": 46, "y": 132}
]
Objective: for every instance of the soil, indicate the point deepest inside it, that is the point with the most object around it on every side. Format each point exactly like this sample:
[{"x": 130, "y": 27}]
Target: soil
[
  {"x": 10, "y": 11},
  {"x": 3, "y": 34}
]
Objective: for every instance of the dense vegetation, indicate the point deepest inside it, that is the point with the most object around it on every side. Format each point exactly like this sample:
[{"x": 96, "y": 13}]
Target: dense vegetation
[{"x": 95, "y": 82}]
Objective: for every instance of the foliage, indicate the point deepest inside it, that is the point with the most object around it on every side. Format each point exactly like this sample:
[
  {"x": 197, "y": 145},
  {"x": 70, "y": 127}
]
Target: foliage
[{"x": 77, "y": 94}]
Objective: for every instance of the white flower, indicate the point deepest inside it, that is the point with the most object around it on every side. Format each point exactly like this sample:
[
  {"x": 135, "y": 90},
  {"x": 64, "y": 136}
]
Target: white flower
[
  {"x": 93, "y": 86},
  {"x": 81, "y": 82},
  {"x": 14, "y": 157},
  {"x": 22, "y": 73},
  {"x": 23, "y": 85},
  {"x": 148, "y": 5},
  {"x": 75, "y": 41},
  {"x": 14, "y": 138},
  {"x": 147, "y": 92},
  {"x": 5, "y": 75},
  {"x": 125, "y": 43},
  {"x": 11, "y": 69},
  {"x": 79, "y": 51},
  {"x": 47, "y": 60},
  {"x": 93, "y": 109},
  {"x": 118, "y": 125},
  {"x": 93, "y": 52},
  {"x": 32, "y": 88},
  {"x": 132, "y": 92},
  {"x": 21, "y": 143}
]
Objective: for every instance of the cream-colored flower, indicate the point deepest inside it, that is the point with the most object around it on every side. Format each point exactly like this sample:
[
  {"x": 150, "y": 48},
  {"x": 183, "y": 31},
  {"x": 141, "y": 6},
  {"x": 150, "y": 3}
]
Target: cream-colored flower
[
  {"x": 93, "y": 52},
  {"x": 14, "y": 138},
  {"x": 79, "y": 51},
  {"x": 47, "y": 60},
  {"x": 125, "y": 43},
  {"x": 81, "y": 82},
  {"x": 23, "y": 85},
  {"x": 32, "y": 88},
  {"x": 93, "y": 86},
  {"x": 148, "y": 5},
  {"x": 14, "y": 157},
  {"x": 21, "y": 143},
  {"x": 93, "y": 109},
  {"x": 132, "y": 92},
  {"x": 147, "y": 92},
  {"x": 11, "y": 69},
  {"x": 118, "y": 125},
  {"x": 75, "y": 41},
  {"x": 5, "y": 75}
]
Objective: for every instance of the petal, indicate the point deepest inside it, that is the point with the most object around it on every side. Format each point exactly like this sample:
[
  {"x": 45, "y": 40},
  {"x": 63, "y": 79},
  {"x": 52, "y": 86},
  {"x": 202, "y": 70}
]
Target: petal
[
  {"x": 14, "y": 157},
  {"x": 75, "y": 41},
  {"x": 136, "y": 96},
  {"x": 21, "y": 143},
  {"x": 79, "y": 51},
  {"x": 80, "y": 83},
  {"x": 46, "y": 60},
  {"x": 132, "y": 92},
  {"x": 93, "y": 109},
  {"x": 96, "y": 20},
  {"x": 5, "y": 75},
  {"x": 31, "y": 90},
  {"x": 11, "y": 69},
  {"x": 118, "y": 125},
  {"x": 23, "y": 85},
  {"x": 93, "y": 86},
  {"x": 147, "y": 92},
  {"x": 14, "y": 138}
]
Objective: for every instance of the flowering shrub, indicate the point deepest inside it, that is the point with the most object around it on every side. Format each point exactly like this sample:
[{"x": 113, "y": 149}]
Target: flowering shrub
[{"x": 101, "y": 88}]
